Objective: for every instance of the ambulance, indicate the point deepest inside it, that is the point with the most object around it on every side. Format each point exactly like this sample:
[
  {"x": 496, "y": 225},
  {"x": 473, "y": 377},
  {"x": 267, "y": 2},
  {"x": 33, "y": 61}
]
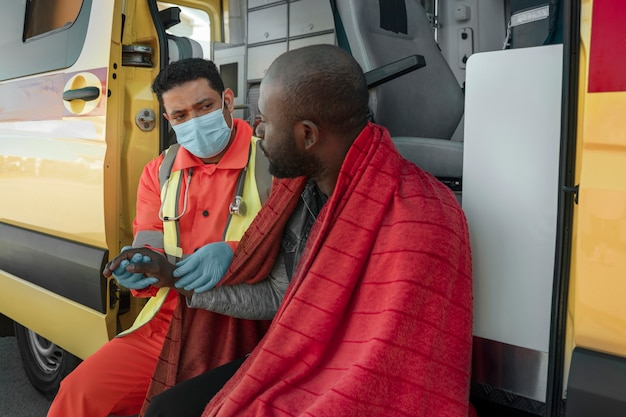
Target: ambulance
[{"x": 517, "y": 105}]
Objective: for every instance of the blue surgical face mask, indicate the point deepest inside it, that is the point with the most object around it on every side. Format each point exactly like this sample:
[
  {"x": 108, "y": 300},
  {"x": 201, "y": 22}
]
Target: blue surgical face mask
[{"x": 204, "y": 136}]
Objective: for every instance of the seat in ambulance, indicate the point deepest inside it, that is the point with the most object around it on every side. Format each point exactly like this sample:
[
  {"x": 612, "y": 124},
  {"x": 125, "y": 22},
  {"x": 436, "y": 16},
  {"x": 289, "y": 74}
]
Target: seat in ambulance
[
  {"x": 421, "y": 108},
  {"x": 178, "y": 47}
]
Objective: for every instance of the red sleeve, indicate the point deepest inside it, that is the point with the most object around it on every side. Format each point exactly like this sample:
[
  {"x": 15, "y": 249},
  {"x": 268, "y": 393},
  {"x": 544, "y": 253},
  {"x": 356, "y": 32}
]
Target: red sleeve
[
  {"x": 147, "y": 211},
  {"x": 233, "y": 244},
  {"x": 149, "y": 199},
  {"x": 146, "y": 292}
]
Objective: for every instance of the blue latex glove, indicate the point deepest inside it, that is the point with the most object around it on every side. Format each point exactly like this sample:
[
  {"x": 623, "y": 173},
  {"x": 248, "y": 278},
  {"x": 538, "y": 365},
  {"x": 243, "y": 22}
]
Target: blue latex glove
[
  {"x": 134, "y": 281},
  {"x": 203, "y": 269}
]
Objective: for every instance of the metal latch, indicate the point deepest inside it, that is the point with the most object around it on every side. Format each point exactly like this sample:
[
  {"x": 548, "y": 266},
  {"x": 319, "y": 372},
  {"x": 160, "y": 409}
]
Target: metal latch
[
  {"x": 573, "y": 190},
  {"x": 145, "y": 119},
  {"x": 114, "y": 293}
]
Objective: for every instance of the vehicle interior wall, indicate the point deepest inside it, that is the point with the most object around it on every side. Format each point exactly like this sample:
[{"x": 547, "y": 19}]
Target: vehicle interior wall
[
  {"x": 510, "y": 198},
  {"x": 469, "y": 27},
  {"x": 461, "y": 29}
]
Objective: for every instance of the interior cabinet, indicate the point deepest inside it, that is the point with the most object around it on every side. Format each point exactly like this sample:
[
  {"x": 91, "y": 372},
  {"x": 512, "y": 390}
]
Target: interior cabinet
[
  {"x": 260, "y": 58},
  {"x": 310, "y": 17},
  {"x": 259, "y": 3},
  {"x": 267, "y": 24},
  {"x": 276, "y": 26},
  {"x": 312, "y": 40}
]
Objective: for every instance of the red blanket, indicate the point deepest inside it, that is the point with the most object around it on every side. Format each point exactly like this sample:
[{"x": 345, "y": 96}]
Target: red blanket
[
  {"x": 377, "y": 319},
  {"x": 200, "y": 340}
]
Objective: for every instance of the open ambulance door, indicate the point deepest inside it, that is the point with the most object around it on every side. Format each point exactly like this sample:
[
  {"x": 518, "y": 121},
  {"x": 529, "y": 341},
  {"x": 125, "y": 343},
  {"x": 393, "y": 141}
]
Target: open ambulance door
[
  {"x": 518, "y": 196},
  {"x": 74, "y": 136}
]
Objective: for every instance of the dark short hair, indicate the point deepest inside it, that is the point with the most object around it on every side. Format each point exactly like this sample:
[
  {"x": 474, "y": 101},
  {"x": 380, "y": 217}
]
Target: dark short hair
[
  {"x": 185, "y": 70},
  {"x": 324, "y": 84}
]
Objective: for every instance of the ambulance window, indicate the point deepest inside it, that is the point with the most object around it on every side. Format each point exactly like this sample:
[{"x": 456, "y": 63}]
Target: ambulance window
[
  {"x": 195, "y": 24},
  {"x": 39, "y": 36},
  {"x": 43, "y": 16}
]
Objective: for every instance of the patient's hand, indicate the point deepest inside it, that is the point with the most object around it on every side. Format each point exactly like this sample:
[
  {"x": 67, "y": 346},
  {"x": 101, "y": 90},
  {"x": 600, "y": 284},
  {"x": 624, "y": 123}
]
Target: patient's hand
[{"x": 158, "y": 267}]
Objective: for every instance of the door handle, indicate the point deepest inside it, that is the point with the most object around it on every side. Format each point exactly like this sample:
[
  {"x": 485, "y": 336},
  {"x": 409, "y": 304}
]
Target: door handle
[{"x": 85, "y": 93}]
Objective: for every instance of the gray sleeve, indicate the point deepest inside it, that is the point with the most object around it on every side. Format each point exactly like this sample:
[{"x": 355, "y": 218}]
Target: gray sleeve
[
  {"x": 259, "y": 301},
  {"x": 148, "y": 238}
]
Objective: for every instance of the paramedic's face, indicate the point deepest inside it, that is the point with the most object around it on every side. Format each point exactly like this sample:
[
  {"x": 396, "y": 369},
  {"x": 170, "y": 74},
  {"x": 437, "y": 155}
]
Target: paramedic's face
[
  {"x": 196, "y": 98},
  {"x": 280, "y": 144}
]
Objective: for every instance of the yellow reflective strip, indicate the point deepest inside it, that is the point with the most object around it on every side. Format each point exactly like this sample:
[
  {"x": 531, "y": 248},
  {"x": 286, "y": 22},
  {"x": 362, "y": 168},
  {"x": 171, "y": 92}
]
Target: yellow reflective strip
[
  {"x": 169, "y": 197},
  {"x": 148, "y": 311},
  {"x": 239, "y": 224},
  {"x": 169, "y": 194}
]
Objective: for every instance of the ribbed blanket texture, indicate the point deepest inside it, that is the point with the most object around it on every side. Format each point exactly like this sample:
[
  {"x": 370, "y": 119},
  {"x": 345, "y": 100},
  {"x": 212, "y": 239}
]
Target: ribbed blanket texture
[
  {"x": 200, "y": 340},
  {"x": 377, "y": 319}
]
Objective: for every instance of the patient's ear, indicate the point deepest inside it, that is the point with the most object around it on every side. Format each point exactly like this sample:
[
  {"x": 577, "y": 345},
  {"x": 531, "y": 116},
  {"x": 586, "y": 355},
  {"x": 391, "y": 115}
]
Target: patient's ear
[{"x": 308, "y": 133}]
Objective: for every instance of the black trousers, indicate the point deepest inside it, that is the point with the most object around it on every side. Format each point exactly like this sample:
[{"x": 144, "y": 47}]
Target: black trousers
[{"x": 189, "y": 398}]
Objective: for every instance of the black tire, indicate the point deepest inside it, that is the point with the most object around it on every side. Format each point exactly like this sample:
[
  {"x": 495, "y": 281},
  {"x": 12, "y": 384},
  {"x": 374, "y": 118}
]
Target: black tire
[{"x": 45, "y": 363}]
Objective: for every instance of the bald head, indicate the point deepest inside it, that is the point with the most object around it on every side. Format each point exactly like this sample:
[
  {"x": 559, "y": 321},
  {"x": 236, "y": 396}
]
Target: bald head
[{"x": 321, "y": 83}]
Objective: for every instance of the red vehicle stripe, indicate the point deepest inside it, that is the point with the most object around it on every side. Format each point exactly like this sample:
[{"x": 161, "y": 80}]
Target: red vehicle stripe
[{"x": 607, "y": 58}]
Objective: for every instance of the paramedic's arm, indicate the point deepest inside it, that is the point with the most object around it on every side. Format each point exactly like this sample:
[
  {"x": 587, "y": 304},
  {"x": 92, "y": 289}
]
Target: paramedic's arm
[
  {"x": 147, "y": 227},
  {"x": 257, "y": 301}
]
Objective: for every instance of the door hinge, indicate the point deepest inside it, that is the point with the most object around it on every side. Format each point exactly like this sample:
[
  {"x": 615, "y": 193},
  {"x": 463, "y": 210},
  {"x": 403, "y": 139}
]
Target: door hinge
[
  {"x": 573, "y": 190},
  {"x": 136, "y": 56}
]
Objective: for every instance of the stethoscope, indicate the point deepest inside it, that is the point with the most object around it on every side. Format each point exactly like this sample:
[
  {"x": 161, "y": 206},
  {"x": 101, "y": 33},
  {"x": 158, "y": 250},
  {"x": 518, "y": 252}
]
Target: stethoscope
[
  {"x": 237, "y": 207},
  {"x": 185, "y": 199}
]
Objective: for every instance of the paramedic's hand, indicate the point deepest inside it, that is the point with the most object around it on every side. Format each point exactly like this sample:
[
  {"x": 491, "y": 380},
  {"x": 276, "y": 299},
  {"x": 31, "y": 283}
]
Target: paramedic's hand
[
  {"x": 122, "y": 268},
  {"x": 202, "y": 270}
]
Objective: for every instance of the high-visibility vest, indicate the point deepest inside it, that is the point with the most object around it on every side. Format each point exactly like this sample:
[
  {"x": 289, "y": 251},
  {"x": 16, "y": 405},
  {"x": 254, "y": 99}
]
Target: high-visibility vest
[{"x": 246, "y": 204}]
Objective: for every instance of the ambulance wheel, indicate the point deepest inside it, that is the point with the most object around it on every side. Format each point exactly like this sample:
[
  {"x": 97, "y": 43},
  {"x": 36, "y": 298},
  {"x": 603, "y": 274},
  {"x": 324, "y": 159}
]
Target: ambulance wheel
[{"x": 45, "y": 363}]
